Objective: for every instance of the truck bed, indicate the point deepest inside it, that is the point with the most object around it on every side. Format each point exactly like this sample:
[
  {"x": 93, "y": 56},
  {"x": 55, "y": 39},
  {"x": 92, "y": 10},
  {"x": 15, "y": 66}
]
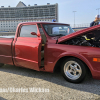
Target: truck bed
[{"x": 6, "y": 49}]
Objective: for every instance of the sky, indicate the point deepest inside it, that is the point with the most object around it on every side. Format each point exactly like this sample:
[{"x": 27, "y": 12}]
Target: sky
[{"x": 85, "y": 9}]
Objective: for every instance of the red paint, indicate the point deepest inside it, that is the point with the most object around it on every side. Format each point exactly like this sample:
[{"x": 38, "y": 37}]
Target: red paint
[
  {"x": 26, "y": 51},
  {"x": 5, "y": 50}
]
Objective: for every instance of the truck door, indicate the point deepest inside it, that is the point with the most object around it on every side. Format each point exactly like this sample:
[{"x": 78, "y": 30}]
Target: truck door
[{"x": 28, "y": 48}]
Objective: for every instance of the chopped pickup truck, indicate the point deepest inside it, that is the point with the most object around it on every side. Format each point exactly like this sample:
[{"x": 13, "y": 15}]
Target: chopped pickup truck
[{"x": 45, "y": 46}]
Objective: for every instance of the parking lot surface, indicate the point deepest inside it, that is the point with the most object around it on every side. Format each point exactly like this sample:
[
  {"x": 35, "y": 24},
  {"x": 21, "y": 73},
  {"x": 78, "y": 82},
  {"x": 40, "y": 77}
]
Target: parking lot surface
[{"x": 58, "y": 89}]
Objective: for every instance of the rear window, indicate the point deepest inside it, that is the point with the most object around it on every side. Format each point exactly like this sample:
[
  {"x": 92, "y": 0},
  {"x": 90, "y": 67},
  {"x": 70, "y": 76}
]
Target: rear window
[{"x": 58, "y": 30}]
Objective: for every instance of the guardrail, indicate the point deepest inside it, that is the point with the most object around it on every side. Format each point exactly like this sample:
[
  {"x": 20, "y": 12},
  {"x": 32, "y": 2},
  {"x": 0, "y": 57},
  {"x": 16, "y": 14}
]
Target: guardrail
[
  {"x": 6, "y": 33},
  {"x": 79, "y": 28}
]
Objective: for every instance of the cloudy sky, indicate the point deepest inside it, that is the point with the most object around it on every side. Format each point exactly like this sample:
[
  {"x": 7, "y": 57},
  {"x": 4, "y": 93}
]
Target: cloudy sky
[{"x": 86, "y": 9}]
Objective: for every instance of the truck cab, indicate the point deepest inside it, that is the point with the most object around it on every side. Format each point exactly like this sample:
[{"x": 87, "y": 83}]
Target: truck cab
[{"x": 31, "y": 49}]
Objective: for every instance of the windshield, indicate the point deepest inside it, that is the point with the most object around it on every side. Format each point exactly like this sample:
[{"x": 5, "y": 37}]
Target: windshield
[{"x": 58, "y": 30}]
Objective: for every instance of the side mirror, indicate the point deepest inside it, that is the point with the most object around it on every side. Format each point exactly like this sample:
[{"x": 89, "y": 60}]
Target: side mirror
[{"x": 33, "y": 33}]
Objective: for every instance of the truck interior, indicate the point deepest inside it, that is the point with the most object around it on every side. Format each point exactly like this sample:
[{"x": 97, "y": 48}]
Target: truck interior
[{"x": 43, "y": 44}]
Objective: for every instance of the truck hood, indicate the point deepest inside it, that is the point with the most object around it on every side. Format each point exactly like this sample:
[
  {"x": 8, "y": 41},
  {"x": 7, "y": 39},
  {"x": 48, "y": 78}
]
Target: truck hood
[{"x": 75, "y": 34}]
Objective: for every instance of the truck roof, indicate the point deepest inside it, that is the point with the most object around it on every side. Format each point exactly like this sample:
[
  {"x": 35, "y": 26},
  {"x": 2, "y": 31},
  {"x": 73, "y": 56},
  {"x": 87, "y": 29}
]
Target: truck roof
[{"x": 43, "y": 23}]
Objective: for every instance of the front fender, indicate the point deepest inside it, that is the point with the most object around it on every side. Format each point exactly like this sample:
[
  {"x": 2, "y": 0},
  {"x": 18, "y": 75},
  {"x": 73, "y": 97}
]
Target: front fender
[{"x": 79, "y": 56}]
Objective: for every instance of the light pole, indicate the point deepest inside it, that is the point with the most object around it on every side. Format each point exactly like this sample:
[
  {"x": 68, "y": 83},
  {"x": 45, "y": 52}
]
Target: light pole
[
  {"x": 74, "y": 18},
  {"x": 98, "y": 10}
]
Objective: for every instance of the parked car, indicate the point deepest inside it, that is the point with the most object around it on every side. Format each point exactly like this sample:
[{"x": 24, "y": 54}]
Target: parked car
[{"x": 45, "y": 46}]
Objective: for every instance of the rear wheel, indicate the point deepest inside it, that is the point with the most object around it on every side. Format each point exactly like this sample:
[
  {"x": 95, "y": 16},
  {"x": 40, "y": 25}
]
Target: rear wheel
[
  {"x": 1, "y": 64},
  {"x": 73, "y": 70}
]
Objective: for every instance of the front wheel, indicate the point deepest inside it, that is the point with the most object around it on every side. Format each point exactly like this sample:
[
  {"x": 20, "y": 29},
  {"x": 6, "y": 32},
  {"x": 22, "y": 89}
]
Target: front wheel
[{"x": 73, "y": 70}]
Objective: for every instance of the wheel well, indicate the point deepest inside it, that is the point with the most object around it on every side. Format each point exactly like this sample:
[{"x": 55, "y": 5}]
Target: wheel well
[{"x": 58, "y": 64}]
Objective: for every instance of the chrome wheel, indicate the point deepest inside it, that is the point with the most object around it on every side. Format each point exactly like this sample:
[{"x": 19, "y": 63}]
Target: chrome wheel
[{"x": 72, "y": 70}]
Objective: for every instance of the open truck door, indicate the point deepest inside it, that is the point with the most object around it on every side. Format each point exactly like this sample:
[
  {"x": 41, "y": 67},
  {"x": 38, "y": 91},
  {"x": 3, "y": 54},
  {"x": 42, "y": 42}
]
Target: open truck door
[{"x": 28, "y": 48}]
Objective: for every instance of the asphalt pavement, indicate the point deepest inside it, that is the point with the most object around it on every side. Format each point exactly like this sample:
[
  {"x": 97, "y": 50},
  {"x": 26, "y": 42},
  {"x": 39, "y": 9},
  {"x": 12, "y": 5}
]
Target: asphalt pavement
[{"x": 18, "y": 83}]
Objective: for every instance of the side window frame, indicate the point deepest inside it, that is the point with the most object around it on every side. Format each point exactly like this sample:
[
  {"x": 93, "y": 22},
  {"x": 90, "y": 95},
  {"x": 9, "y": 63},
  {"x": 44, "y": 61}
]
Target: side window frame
[{"x": 42, "y": 34}]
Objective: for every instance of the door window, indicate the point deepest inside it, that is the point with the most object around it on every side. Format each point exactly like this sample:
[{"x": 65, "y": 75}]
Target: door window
[{"x": 27, "y": 29}]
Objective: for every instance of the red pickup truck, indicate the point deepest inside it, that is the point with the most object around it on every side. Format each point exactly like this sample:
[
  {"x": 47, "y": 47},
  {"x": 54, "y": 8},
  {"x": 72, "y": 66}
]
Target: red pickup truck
[{"x": 45, "y": 46}]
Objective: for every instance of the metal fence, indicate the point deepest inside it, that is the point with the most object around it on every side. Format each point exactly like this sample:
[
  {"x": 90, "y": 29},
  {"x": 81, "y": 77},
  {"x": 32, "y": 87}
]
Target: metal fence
[{"x": 80, "y": 25}]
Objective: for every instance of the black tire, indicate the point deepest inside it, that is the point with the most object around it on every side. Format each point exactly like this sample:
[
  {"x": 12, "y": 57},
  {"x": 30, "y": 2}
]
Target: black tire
[
  {"x": 1, "y": 64},
  {"x": 73, "y": 70}
]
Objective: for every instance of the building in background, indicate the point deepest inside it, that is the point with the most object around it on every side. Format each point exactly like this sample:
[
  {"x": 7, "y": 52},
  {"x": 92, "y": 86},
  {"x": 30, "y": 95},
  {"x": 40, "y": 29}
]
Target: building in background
[{"x": 10, "y": 17}]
